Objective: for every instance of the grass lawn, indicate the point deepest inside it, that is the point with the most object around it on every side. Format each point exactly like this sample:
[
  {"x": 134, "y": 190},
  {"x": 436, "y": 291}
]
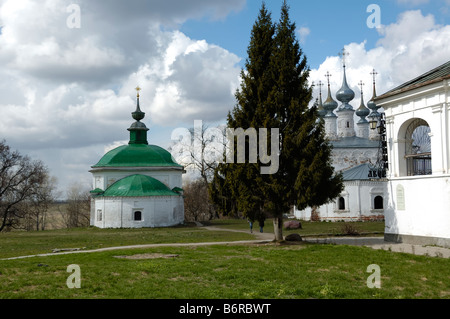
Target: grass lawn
[
  {"x": 229, "y": 272},
  {"x": 308, "y": 228},
  {"x": 269, "y": 271},
  {"x": 15, "y": 244}
]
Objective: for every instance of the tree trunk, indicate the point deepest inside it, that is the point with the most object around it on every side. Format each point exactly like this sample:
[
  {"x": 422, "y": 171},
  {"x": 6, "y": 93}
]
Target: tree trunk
[{"x": 278, "y": 228}]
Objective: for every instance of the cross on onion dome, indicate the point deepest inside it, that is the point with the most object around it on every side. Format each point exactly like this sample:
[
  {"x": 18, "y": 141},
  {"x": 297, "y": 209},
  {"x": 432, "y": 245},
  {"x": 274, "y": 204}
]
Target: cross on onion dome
[{"x": 343, "y": 54}]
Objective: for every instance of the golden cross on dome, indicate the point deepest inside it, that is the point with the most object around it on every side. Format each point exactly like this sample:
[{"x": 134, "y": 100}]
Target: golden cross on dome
[{"x": 138, "y": 89}]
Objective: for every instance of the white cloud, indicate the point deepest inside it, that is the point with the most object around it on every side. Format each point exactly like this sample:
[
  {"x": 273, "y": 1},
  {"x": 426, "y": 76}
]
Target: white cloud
[
  {"x": 65, "y": 93},
  {"x": 303, "y": 33},
  {"x": 413, "y": 45}
]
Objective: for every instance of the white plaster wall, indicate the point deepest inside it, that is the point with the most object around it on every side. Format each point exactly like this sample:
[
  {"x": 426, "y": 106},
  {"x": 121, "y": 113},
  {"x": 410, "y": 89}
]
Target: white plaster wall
[
  {"x": 431, "y": 105},
  {"x": 359, "y": 203},
  {"x": 427, "y": 207},
  {"x": 111, "y": 213},
  {"x": 345, "y": 158},
  {"x": 346, "y": 123},
  {"x": 362, "y": 130},
  {"x": 104, "y": 179},
  {"x": 331, "y": 128},
  {"x": 158, "y": 211},
  {"x": 426, "y": 198}
]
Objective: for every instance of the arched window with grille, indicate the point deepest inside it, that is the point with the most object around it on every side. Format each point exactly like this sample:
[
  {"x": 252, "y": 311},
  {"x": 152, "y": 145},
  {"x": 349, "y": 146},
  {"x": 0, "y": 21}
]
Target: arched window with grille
[{"x": 418, "y": 148}]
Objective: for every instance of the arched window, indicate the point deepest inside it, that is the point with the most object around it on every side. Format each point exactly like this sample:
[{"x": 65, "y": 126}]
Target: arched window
[
  {"x": 138, "y": 215},
  {"x": 341, "y": 203},
  {"x": 418, "y": 148},
  {"x": 378, "y": 202}
]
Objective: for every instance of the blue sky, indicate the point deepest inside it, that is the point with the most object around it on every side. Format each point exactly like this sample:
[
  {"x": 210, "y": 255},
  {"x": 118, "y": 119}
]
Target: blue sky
[
  {"x": 67, "y": 93},
  {"x": 332, "y": 24}
]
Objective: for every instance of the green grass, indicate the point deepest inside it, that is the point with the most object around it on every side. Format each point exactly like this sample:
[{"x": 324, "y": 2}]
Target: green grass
[
  {"x": 230, "y": 272},
  {"x": 269, "y": 271},
  {"x": 16, "y": 244},
  {"x": 308, "y": 228}
]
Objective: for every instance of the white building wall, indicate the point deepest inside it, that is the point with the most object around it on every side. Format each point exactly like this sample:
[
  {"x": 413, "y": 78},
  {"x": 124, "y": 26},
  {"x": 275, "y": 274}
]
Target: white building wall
[
  {"x": 105, "y": 178},
  {"x": 331, "y": 128},
  {"x": 158, "y": 211},
  {"x": 362, "y": 130},
  {"x": 419, "y": 206},
  {"x": 345, "y": 158},
  {"x": 359, "y": 203},
  {"x": 346, "y": 123}
]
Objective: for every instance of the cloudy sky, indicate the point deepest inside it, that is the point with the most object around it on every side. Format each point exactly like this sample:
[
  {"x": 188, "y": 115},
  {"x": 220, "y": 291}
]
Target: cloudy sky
[{"x": 68, "y": 68}]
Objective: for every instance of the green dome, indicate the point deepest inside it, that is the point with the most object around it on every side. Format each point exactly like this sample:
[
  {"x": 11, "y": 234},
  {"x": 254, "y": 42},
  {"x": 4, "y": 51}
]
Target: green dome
[
  {"x": 137, "y": 155},
  {"x": 138, "y": 186}
]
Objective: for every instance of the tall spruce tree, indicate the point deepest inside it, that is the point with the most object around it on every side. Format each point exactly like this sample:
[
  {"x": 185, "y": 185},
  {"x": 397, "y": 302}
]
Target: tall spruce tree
[
  {"x": 234, "y": 184},
  {"x": 306, "y": 176},
  {"x": 275, "y": 94}
]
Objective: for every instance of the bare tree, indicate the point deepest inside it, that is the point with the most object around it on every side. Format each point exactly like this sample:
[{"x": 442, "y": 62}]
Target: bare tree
[
  {"x": 21, "y": 180},
  {"x": 200, "y": 149},
  {"x": 197, "y": 206},
  {"x": 77, "y": 213},
  {"x": 37, "y": 206}
]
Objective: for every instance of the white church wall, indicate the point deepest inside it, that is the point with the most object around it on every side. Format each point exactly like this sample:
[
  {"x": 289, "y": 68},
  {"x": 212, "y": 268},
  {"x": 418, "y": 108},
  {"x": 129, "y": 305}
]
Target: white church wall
[
  {"x": 419, "y": 206},
  {"x": 346, "y": 123},
  {"x": 345, "y": 158},
  {"x": 158, "y": 211},
  {"x": 104, "y": 179},
  {"x": 111, "y": 213},
  {"x": 362, "y": 130},
  {"x": 358, "y": 199},
  {"x": 331, "y": 128}
]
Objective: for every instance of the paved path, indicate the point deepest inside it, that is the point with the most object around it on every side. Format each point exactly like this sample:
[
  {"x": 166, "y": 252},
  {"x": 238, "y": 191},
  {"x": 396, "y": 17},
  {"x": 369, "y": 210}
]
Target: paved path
[
  {"x": 379, "y": 243},
  {"x": 373, "y": 242}
]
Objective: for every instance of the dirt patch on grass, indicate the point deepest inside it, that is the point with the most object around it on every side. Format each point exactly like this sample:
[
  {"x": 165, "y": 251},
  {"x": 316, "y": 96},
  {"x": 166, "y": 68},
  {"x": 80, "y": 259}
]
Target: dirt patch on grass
[{"x": 147, "y": 256}]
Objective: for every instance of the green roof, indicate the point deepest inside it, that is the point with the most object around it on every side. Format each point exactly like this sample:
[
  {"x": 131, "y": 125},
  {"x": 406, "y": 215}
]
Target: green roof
[
  {"x": 137, "y": 155},
  {"x": 96, "y": 191},
  {"x": 138, "y": 186}
]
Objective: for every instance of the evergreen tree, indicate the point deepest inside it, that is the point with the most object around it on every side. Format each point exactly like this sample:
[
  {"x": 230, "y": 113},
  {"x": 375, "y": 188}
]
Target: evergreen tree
[
  {"x": 233, "y": 184},
  {"x": 305, "y": 176},
  {"x": 275, "y": 94}
]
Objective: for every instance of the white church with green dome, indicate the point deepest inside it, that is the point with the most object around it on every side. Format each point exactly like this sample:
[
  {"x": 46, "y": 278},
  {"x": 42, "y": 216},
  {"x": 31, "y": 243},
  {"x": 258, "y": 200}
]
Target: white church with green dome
[{"x": 137, "y": 185}]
